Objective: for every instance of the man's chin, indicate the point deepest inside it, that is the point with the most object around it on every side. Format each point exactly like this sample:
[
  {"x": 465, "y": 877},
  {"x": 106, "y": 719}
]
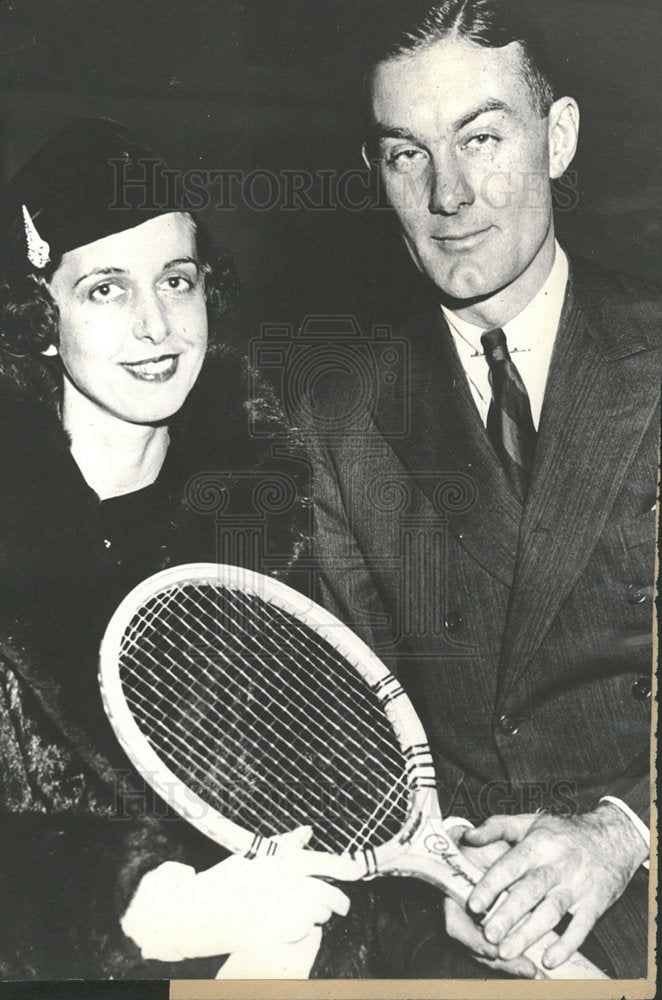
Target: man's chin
[
  {"x": 464, "y": 290},
  {"x": 466, "y": 285}
]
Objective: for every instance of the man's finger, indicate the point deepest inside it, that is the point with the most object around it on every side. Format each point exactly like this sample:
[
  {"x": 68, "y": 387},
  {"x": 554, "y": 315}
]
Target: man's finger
[
  {"x": 571, "y": 940},
  {"x": 484, "y": 857},
  {"x": 520, "y": 900},
  {"x": 543, "y": 919},
  {"x": 461, "y": 927},
  {"x": 500, "y": 876},
  {"x": 511, "y": 828}
]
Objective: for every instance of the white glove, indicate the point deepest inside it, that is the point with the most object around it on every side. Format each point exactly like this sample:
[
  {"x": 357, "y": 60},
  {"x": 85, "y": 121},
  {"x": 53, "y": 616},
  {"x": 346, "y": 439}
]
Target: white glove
[
  {"x": 284, "y": 960},
  {"x": 236, "y": 905}
]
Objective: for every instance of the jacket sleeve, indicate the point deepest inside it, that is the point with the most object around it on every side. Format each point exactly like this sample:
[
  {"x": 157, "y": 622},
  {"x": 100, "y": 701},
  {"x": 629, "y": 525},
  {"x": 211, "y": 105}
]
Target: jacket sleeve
[
  {"x": 346, "y": 586},
  {"x": 634, "y": 788}
]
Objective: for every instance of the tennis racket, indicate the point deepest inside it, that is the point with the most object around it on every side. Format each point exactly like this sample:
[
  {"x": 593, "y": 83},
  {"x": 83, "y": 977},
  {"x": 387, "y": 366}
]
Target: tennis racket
[{"x": 251, "y": 711}]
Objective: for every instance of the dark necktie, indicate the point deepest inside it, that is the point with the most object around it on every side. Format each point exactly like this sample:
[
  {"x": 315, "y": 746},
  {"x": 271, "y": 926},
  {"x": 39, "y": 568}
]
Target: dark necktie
[{"x": 509, "y": 422}]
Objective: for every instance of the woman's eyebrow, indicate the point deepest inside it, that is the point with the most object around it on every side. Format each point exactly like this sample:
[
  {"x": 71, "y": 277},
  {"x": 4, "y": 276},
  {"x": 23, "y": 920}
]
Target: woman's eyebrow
[
  {"x": 181, "y": 260},
  {"x": 121, "y": 270},
  {"x": 100, "y": 270}
]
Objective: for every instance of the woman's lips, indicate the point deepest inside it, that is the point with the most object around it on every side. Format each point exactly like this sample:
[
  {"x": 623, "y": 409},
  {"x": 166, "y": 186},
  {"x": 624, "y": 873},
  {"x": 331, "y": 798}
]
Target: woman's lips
[{"x": 153, "y": 369}]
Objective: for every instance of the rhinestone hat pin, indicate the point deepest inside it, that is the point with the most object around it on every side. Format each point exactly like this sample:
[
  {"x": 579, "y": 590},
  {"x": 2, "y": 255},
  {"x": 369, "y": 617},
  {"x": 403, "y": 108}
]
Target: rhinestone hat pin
[{"x": 39, "y": 252}]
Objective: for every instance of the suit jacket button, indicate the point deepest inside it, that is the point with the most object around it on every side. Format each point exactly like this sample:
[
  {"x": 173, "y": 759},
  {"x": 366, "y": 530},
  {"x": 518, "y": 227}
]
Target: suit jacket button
[
  {"x": 637, "y": 594},
  {"x": 454, "y": 623},
  {"x": 508, "y": 725},
  {"x": 641, "y": 689}
]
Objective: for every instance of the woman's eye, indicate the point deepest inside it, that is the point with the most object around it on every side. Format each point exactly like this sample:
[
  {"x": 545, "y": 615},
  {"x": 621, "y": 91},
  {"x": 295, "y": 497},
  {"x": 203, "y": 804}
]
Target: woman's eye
[
  {"x": 106, "y": 292},
  {"x": 178, "y": 283}
]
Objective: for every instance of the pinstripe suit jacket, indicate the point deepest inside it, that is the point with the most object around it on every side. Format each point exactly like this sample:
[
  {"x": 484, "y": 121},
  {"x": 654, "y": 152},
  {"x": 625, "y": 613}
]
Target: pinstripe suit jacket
[{"x": 522, "y": 633}]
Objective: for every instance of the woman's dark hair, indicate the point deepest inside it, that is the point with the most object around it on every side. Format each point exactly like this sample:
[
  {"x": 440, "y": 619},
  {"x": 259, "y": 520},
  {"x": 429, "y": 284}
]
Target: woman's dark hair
[{"x": 29, "y": 316}]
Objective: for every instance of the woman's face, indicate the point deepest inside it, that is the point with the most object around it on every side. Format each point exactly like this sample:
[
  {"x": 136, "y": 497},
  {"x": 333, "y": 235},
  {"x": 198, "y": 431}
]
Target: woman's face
[{"x": 133, "y": 320}]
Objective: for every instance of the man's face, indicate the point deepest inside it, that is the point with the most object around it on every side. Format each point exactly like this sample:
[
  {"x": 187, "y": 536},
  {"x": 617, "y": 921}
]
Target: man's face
[{"x": 465, "y": 162}]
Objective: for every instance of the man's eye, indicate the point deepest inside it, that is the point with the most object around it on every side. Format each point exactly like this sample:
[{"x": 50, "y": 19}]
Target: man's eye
[
  {"x": 405, "y": 160},
  {"x": 481, "y": 140},
  {"x": 107, "y": 291}
]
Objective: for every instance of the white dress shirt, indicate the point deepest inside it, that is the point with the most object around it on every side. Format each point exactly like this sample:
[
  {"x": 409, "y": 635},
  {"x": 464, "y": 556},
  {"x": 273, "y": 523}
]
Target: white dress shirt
[{"x": 530, "y": 336}]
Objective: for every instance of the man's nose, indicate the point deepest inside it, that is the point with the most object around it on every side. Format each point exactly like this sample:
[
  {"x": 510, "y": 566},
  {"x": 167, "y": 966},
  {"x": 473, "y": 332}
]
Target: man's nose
[
  {"x": 450, "y": 189},
  {"x": 151, "y": 320}
]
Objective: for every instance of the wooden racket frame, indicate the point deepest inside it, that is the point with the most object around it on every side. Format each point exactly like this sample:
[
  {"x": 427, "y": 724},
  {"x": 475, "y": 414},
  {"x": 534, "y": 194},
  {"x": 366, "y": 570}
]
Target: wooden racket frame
[{"x": 422, "y": 848}]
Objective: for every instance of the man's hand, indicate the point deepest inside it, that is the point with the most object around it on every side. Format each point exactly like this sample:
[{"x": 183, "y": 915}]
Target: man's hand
[
  {"x": 464, "y": 929},
  {"x": 577, "y": 864},
  {"x": 460, "y": 926}
]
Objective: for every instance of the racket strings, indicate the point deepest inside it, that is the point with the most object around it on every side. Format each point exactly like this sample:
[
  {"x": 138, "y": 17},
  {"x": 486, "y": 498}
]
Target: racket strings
[
  {"x": 162, "y": 720},
  {"x": 361, "y": 704},
  {"x": 395, "y": 797},
  {"x": 263, "y": 717},
  {"x": 221, "y": 788},
  {"x": 324, "y": 707},
  {"x": 319, "y": 697},
  {"x": 390, "y": 803},
  {"x": 392, "y": 797},
  {"x": 315, "y": 736}
]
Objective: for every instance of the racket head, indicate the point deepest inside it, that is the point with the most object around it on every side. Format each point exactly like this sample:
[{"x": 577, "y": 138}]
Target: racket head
[{"x": 164, "y": 684}]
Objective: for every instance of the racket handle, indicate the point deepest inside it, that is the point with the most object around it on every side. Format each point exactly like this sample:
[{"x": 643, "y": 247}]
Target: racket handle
[
  {"x": 576, "y": 967},
  {"x": 444, "y": 866}
]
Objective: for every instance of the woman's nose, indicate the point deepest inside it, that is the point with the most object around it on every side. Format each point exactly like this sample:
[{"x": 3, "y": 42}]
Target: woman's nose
[{"x": 151, "y": 320}]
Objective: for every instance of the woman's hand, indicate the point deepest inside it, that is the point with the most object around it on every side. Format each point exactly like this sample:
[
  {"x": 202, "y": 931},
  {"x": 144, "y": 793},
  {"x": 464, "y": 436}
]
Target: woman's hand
[{"x": 234, "y": 906}]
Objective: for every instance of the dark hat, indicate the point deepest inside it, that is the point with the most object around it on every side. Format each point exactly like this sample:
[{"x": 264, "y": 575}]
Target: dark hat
[{"x": 89, "y": 180}]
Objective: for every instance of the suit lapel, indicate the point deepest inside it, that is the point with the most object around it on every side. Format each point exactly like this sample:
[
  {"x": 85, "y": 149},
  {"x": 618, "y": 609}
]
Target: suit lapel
[
  {"x": 602, "y": 390},
  {"x": 447, "y": 445}
]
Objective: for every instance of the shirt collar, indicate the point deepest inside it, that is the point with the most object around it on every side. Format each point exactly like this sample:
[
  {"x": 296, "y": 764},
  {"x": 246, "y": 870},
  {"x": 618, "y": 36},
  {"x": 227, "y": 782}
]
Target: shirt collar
[{"x": 538, "y": 320}]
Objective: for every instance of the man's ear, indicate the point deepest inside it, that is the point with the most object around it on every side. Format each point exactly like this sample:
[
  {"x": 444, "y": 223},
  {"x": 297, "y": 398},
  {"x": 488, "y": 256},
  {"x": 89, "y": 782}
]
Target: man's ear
[
  {"x": 50, "y": 351},
  {"x": 563, "y": 131}
]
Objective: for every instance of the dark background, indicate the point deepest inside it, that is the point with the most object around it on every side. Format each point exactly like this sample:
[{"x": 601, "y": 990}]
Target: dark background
[{"x": 274, "y": 84}]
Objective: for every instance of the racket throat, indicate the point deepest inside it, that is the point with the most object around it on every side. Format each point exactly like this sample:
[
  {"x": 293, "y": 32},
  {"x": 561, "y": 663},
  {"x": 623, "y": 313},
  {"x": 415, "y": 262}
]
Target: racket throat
[{"x": 425, "y": 850}]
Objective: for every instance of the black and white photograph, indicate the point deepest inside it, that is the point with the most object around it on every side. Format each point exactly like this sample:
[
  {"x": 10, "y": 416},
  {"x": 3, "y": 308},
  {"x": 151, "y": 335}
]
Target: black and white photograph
[{"x": 330, "y": 378}]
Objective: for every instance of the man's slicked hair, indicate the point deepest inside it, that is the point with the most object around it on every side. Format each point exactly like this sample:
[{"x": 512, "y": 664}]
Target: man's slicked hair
[{"x": 490, "y": 23}]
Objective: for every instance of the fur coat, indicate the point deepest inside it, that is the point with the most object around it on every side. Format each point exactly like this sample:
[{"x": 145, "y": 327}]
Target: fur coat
[{"x": 78, "y": 828}]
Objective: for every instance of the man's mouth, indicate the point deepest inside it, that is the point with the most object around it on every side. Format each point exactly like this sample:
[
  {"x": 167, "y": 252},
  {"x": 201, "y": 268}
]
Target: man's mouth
[
  {"x": 459, "y": 241},
  {"x": 153, "y": 369}
]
